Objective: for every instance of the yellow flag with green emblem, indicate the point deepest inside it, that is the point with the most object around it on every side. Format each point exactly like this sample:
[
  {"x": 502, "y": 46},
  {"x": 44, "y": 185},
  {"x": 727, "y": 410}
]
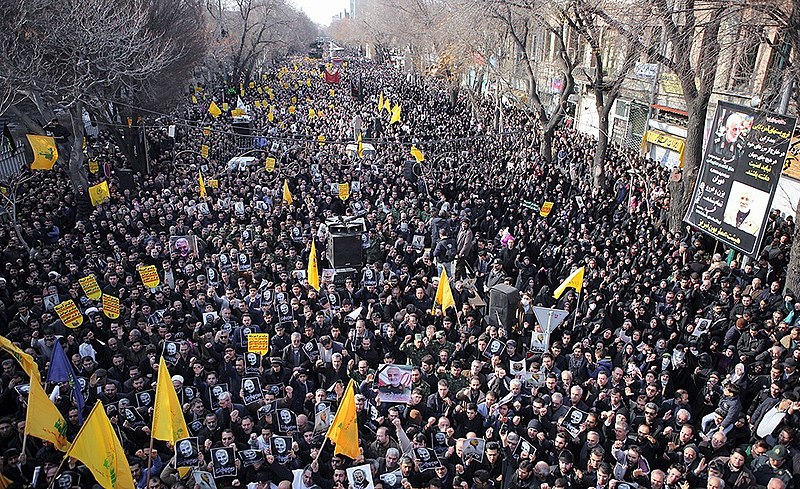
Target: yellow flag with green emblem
[
  {"x": 25, "y": 361},
  {"x": 344, "y": 429},
  {"x": 43, "y": 420},
  {"x": 98, "y": 447},
  {"x": 45, "y": 152}
]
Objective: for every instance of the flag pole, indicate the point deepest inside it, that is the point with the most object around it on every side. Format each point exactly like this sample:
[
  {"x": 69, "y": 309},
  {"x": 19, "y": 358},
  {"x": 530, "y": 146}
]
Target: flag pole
[
  {"x": 58, "y": 469},
  {"x": 577, "y": 306},
  {"x": 150, "y": 453},
  {"x": 80, "y": 432}
]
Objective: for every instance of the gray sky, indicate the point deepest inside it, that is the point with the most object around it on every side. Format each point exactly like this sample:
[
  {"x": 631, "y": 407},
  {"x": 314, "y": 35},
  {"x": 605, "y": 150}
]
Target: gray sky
[{"x": 321, "y": 11}]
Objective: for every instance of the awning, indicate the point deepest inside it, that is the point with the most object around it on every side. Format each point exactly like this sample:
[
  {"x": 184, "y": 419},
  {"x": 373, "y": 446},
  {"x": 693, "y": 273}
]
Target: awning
[{"x": 671, "y": 110}]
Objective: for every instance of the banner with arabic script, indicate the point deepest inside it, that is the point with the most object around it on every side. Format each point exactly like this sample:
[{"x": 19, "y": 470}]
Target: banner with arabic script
[{"x": 744, "y": 157}]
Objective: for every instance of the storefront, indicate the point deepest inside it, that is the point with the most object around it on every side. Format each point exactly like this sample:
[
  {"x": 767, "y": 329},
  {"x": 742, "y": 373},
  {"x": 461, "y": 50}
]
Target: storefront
[{"x": 664, "y": 148}]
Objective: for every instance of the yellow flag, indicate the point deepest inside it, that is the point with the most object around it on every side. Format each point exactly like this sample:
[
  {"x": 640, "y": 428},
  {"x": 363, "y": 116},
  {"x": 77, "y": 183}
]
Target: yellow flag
[
  {"x": 69, "y": 314},
  {"x": 395, "y": 114},
  {"x": 444, "y": 294},
  {"x": 99, "y": 193},
  {"x": 203, "y": 192},
  {"x": 271, "y": 115},
  {"x": 417, "y": 154},
  {"x": 311, "y": 113},
  {"x": 292, "y": 109},
  {"x": 111, "y": 306},
  {"x": 43, "y": 419},
  {"x": 194, "y": 99},
  {"x": 380, "y": 102},
  {"x": 387, "y": 105},
  {"x": 98, "y": 447},
  {"x": 214, "y": 110},
  {"x": 544, "y": 211},
  {"x": 344, "y": 430},
  {"x": 575, "y": 280},
  {"x": 257, "y": 104},
  {"x": 168, "y": 421},
  {"x": 94, "y": 167},
  {"x": 225, "y": 106},
  {"x": 269, "y": 164},
  {"x": 287, "y": 195},
  {"x": 25, "y": 361},
  {"x": 360, "y": 150},
  {"x": 90, "y": 287},
  {"x": 313, "y": 267},
  {"x": 332, "y": 92},
  {"x": 45, "y": 153}
]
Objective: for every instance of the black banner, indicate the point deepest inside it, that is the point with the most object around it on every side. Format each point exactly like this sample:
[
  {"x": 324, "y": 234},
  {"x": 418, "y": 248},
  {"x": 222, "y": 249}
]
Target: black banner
[{"x": 739, "y": 175}]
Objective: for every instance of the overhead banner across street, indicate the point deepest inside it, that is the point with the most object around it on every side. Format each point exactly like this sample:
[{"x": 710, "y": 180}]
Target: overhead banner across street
[{"x": 739, "y": 175}]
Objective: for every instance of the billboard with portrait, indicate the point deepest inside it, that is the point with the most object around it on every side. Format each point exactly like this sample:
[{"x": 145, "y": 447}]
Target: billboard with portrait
[{"x": 744, "y": 157}]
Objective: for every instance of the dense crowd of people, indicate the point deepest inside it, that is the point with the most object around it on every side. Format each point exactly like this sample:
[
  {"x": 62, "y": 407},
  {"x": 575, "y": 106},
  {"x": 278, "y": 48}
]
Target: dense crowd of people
[{"x": 676, "y": 368}]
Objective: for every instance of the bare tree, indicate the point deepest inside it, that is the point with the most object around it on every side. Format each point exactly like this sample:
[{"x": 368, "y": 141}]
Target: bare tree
[
  {"x": 606, "y": 86},
  {"x": 252, "y": 30},
  {"x": 86, "y": 54},
  {"x": 521, "y": 20},
  {"x": 693, "y": 32}
]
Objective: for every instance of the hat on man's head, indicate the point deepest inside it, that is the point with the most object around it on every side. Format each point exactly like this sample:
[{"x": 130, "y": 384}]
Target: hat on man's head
[
  {"x": 778, "y": 452},
  {"x": 535, "y": 424}
]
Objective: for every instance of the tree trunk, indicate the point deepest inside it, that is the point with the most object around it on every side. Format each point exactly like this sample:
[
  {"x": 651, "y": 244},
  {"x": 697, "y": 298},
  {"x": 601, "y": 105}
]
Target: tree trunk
[
  {"x": 547, "y": 146},
  {"x": 793, "y": 270},
  {"x": 681, "y": 192},
  {"x": 598, "y": 173},
  {"x": 77, "y": 170}
]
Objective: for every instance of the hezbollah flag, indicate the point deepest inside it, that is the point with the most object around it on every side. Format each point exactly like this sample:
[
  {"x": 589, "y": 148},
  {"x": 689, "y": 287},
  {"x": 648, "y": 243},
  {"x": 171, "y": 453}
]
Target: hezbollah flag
[
  {"x": 395, "y": 114},
  {"x": 43, "y": 419},
  {"x": 360, "y": 148},
  {"x": 417, "y": 154},
  {"x": 168, "y": 421},
  {"x": 380, "y": 102},
  {"x": 575, "y": 280},
  {"x": 99, "y": 193},
  {"x": 203, "y": 192},
  {"x": 344, "y": 429},
  {"x": 214, "y": 110},
  {"x": 44, "y": 150},
  {"x": 98, "y": 447},
  {"x": 25, "y": 361},
  {"x": 313, "y": 267},
  {"x": 444, "y": 294},
  {"x": 287, "y": 195}
]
